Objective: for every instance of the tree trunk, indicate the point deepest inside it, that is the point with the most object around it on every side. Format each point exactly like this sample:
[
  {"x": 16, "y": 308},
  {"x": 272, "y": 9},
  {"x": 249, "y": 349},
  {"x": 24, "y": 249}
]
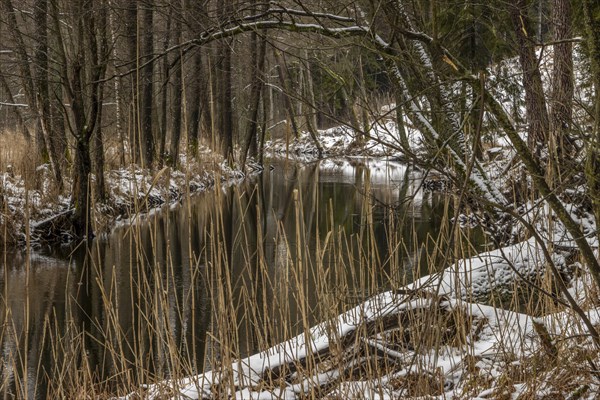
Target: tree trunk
[
  {"x": 592, "y": 30},
  {"x": 562, "y": 86},
  {"x": 45, "y": 145},
  {"x": 83, "y": 87},
  {"x": 177, "y": 97},
  {"x": 310, "y": 117},
  {"x": 147, "y": 79},
  {"x": 198, "y": 102},
  {"x": 256, "y": 80},
  {"x": 82, "y": 201},
  {"x": 226, "y": 107},
  {"x": 132, "y": 57},
  {"x": 164, "y": 104},
  {"x": 286, "y": 87},
  {"x": 117, "y": 89},
  {"x": 535, "y": 103},
  {"x": 98, "y": 139}
]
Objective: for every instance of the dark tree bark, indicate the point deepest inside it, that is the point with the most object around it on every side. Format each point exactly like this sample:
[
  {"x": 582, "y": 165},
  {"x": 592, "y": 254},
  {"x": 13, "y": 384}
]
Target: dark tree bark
[
  {"x": 177, "y": 95},
  {"x": 562, "y": 86},
  {"x": 147, "y": 80},
  {"x": 200, "y": 116},
  {"x": 132, "y": 57},
  {"x": 164, "y": 104},
  {"x": 256, "y": 83},
  {"x": 592, "y": 32},
  {"x": 225, "y": 86},
  {"x": 286, "y": 87},
  {"x": 46, "y": 143},
  {"x": 83, "y": 86},
  {"x": 535, "y": 103},
  {"x": 98, "y": 139}
]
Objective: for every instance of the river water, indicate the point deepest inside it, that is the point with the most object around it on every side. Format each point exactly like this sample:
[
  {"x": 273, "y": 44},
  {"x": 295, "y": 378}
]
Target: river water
[{"x": 238, "y": 269}]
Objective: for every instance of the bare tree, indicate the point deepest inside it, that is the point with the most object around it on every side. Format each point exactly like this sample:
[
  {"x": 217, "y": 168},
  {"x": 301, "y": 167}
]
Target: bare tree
[
  {"x": 147, "y": 80},
  {"x": 225, "y": 10},
  {"x": 535, "y": 102},
  {"x": 82, "y": 71},
  {"x": 177, "y": 92},
  {"x": 592, "y": 30},
  {"x": 258, "y": 51},
  {"x": 197, "y": 104},
  {"x": 562, "y": 86}
]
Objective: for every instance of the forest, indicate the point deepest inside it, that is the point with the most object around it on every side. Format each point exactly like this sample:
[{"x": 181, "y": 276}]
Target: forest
[{"x": 119, "y": 110}]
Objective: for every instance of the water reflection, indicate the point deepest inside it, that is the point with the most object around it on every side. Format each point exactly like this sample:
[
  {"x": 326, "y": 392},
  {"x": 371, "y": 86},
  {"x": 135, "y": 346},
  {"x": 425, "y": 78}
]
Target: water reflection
[{"x": 251, "y": 265}]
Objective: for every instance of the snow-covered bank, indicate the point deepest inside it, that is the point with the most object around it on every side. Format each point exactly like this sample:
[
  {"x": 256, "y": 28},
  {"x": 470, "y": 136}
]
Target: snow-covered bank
[
  {"x": 381, "y": 140},
  {"x": 425, "y": 345},
  {"x": 130, "y": 193}
]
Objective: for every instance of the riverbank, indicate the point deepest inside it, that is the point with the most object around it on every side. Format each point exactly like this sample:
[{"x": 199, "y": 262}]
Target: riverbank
[
  {"x": 35, "y": 212},
  {"x": 431, "y": 339}
]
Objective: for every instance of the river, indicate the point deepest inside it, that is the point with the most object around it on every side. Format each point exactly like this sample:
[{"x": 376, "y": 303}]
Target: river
[{"x": 222, "y": 274}]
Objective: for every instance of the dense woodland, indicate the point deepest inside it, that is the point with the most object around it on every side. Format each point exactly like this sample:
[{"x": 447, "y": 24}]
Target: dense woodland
[{"x": 143, "y": 80}]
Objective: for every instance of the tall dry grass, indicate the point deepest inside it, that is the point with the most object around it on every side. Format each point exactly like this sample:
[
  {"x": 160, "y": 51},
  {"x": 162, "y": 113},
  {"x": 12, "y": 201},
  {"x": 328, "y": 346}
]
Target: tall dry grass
[{"x": 244, "y": 292}]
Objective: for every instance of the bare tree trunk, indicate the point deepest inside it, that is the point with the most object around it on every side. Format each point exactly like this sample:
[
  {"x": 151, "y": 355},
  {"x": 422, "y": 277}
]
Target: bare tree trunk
[
  {"x": 592, "y": 30},
  {"x": 363, "y": 101},
  {"x": 256, "y": 83},
  {"x": 286, "y": 87},
  {"x": 198, "y": 102},
  {"x": 226, "y": 101},
  {"x": 45, "y": 145},
  {"x": 164, "y": 104},
  {"x": 402, "y": 136},
  {"x": 117, "y": 88},
  {"x": 535, "y": 103},
  {"x": 225, "y": 11},
  {"x": 562, "y": 85},
  {"x": 147, "y": 78},
  {"x": 266, "y": 101},
  {"x": 311, "y": 122},
  {"x": 98, "y": 139},
  {"x": 311, "y": 118},
  {"x": 83, "y": 85},
  {"x": 132, "y": 56},
  {"x": 177, "y": 95}
]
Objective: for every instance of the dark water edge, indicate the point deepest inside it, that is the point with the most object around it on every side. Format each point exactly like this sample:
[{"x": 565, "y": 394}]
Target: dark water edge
[{"x": 99, "y": 300}]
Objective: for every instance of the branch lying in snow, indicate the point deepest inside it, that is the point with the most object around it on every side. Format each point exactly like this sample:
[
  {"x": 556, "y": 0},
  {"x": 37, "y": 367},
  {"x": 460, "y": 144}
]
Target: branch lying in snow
[{"x": 13, "y": 104}]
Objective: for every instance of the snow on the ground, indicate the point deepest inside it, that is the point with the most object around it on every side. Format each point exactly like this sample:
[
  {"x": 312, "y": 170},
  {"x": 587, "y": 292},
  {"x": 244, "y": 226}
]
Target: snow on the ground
[
  {"x": 495, "y": 337},
  {"x": 131, "y": 191},
  {"x": 490, "y": 272},
  {"x": 383, "y": 140}
]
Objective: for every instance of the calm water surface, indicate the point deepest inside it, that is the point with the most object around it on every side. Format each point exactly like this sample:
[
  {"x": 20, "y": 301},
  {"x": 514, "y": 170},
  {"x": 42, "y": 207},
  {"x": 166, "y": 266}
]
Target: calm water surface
[{"x": 100, "y": 302}]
